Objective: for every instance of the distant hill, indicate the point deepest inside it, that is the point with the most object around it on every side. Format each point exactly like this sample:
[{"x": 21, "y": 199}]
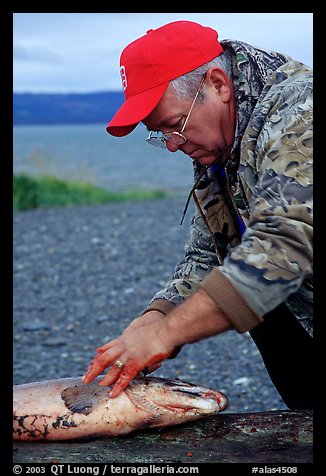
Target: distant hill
[{"x": 68, "y": 108}]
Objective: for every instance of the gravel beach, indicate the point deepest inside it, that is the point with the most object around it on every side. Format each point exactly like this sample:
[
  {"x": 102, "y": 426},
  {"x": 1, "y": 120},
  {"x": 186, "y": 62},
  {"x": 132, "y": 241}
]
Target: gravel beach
[{"x": 81, "y": 274}]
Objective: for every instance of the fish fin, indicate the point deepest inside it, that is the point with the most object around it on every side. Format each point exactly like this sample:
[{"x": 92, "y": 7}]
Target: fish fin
[{"x": 84, "y": 398}]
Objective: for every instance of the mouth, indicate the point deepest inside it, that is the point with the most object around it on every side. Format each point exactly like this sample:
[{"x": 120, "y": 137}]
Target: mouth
[
  {"x": 194, "y": 391},
  {"x": 194, "y": 155},
  {"x": 204, "y": 157},
  {"x": 187, "y": 397},
  {"x": 205, "y": 397}
]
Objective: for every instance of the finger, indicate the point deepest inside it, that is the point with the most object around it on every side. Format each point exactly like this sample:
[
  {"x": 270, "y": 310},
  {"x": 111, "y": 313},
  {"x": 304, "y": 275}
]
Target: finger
[
  {"x": 128, "y": 373},
  {"x": 106, "y": 346},
  {"x": 92, "y": 373},
  {"x": 112, "y": 375},
  {"x": 98, "y": 365}
]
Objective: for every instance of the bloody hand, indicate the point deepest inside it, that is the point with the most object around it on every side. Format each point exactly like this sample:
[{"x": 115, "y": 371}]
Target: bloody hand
[{"x": 138, "y": 347}]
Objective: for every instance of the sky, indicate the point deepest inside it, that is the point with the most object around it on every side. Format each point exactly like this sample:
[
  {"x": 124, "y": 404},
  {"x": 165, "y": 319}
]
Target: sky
[{"x": 79, "y": 52}]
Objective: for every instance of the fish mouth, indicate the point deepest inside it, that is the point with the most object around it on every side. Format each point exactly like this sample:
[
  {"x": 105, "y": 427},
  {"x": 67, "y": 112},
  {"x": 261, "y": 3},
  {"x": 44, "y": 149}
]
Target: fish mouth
[
  {"x": 201, "y": 398},
  {"x": 205, "y": 399}
]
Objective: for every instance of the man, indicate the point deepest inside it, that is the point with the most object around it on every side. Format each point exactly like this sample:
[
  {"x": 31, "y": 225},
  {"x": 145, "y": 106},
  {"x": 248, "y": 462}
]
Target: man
[{"x": 244, "y": 116}]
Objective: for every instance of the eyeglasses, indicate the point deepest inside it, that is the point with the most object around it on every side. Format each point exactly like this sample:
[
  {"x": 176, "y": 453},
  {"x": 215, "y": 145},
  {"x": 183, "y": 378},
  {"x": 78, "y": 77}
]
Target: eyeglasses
[{"x": 177, "y": 138}]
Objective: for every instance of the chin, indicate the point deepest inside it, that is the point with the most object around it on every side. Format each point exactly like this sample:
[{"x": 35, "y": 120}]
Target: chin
[{"x": 206, "y": 161}]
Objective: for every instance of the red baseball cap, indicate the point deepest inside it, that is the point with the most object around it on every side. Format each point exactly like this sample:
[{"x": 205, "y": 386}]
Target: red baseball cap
[{"x": 148, "y": 64}]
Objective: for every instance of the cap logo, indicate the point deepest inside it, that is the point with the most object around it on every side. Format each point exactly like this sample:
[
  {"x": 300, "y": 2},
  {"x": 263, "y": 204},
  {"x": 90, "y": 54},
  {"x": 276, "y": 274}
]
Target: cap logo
[{"x": 123, "y": 77}]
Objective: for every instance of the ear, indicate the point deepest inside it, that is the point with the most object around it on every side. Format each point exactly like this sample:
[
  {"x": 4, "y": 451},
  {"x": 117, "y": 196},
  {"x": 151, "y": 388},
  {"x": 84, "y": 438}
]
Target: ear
[{"x": 217, "y": 78}]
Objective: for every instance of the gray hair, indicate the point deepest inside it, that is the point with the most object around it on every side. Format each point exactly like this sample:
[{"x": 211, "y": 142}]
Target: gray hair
[{"x": 185, "y": 86}]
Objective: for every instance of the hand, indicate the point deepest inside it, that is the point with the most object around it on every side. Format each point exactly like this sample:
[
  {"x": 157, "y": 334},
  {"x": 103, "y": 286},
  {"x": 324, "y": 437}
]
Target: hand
[
  {"x": 148, "y": 342},
  {"x": 144, "y": 343},
  {"x": 147, "y": 318}
]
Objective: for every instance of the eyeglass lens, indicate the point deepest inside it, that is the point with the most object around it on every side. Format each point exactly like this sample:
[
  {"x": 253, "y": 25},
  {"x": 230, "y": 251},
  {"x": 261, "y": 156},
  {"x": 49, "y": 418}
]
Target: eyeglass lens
[
  {"x": 160, "y": 141},
  {"x": 157, "y": 141}
]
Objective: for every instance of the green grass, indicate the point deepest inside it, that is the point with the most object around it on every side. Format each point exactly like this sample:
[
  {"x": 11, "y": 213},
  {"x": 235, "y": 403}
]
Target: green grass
[{"x": 46, "y": 191}]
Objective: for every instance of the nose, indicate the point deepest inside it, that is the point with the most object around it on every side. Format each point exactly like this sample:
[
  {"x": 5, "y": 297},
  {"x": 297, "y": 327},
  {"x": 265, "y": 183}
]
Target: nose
[{"x": 171, "y": 146}]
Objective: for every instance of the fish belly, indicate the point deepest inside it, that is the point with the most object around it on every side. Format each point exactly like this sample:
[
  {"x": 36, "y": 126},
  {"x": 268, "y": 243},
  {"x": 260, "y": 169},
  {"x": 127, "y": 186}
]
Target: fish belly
[{"x": 40, "y": 413}]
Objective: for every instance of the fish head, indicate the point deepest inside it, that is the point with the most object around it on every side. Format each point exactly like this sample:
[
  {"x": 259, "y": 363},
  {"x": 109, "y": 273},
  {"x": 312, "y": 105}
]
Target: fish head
[{"x": 173, "y": 401}]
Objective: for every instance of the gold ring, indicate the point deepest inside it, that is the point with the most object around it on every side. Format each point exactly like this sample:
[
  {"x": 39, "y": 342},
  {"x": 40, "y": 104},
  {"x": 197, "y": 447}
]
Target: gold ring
[{"x": 119, "y": 364}]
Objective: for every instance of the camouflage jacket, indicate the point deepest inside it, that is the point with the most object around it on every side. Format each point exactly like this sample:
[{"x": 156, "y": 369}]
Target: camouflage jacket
[{"x": 250, "y": 244}]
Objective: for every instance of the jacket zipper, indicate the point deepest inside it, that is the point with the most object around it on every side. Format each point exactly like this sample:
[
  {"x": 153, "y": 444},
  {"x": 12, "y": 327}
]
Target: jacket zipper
[
  {"x": 217, "y": 251},
  {"x": 235, "y": 207}
]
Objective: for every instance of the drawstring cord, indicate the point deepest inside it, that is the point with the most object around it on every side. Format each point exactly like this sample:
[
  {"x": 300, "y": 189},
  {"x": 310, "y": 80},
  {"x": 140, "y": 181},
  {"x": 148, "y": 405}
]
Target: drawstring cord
[
  {"x": 192, "y": 194},
  {"x": 201, "y": 173}
]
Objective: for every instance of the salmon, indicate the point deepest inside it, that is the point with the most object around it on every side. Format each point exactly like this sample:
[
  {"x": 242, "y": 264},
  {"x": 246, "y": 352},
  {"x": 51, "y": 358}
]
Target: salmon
[{"x": 65, "y": 409}]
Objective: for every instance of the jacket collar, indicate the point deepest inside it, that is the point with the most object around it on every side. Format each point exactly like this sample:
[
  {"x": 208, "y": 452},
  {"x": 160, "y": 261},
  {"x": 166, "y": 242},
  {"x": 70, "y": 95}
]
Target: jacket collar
[{"x": 251, "y": 68}]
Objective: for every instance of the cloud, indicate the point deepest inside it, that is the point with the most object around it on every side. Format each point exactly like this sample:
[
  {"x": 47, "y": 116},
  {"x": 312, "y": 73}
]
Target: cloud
[
  {"x": 36, "y": 54},
  {"x": 75, "y": 52}
]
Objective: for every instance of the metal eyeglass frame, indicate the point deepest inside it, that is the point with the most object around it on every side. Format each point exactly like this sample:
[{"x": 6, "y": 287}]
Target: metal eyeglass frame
[{"x": 175, "y": 137}]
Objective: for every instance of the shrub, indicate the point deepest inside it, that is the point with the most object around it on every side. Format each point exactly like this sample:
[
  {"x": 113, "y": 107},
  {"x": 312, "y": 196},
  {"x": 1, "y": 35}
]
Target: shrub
[{"x": 47, "y": 191}]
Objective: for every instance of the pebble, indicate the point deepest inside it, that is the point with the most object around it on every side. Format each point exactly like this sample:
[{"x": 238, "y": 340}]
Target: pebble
[
  {"x": 83, "y": 273},
  {"x": 35, "y": 326},
  {"x": 102, "y": 318},
  {"x": 242, "y": 381},
  {"x": 54, "y": 342}
]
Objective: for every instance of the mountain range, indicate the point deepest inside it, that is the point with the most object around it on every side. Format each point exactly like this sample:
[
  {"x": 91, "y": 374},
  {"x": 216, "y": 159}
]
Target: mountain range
[{"x": 70, "y": 108}]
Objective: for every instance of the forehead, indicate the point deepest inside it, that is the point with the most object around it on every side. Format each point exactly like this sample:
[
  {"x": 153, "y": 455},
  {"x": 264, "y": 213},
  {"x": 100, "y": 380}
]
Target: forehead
[{"x": 169, "y": 109}]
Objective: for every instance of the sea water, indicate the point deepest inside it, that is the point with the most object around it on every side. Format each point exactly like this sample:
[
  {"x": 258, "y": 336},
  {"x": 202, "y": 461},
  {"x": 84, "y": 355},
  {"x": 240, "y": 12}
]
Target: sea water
[{"x": 89, "y": 153}]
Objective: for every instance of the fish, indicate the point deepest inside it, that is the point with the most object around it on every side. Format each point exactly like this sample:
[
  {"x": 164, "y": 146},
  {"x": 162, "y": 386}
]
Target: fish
[{"x": 67, "y": 409}]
